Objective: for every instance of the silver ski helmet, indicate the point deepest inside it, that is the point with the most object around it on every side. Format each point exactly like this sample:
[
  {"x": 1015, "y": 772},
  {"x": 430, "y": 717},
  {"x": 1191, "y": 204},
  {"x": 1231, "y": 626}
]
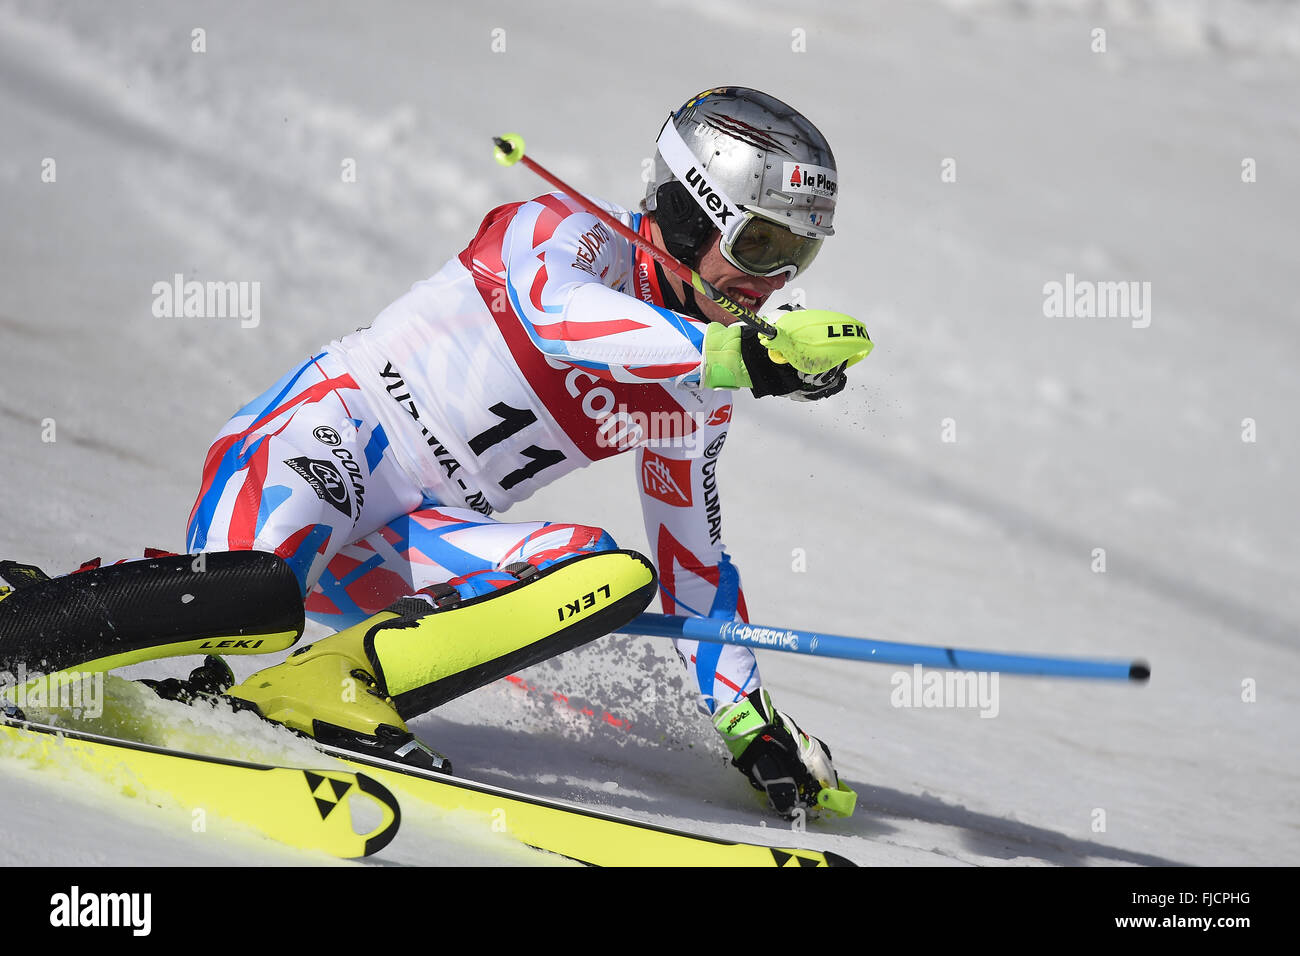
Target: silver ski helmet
[{"x": 742, "y": 162}]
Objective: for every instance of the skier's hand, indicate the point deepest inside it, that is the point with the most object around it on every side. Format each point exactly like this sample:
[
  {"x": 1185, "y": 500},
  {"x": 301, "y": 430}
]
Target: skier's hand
[
  {"x": 814, "y": 387},
  {"x": 792, "y": 768},
  {"x": 737, "y": 356}
]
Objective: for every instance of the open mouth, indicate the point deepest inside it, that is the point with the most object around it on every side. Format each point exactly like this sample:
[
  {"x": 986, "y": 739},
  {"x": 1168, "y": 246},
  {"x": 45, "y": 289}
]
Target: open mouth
[{"x": 746, "y": 300}]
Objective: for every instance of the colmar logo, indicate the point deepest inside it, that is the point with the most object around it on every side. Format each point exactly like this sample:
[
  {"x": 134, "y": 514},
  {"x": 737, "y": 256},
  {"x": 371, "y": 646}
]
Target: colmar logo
[
  {"x": 666, "y": 479},
  {"x": 350, "y": 465},
  {"x": 712, "y": 504},
  {"x": 643, "y": 286}
]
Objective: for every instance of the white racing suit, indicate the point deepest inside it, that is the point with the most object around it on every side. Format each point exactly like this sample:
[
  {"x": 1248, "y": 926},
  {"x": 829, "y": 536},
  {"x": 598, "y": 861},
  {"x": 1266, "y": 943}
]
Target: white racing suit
[{"x": 377, "y": 467}]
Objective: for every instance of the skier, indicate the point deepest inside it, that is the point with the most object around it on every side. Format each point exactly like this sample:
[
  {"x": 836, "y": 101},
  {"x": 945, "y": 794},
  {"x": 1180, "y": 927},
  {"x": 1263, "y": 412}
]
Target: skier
[{"x": 376, "y": 468}]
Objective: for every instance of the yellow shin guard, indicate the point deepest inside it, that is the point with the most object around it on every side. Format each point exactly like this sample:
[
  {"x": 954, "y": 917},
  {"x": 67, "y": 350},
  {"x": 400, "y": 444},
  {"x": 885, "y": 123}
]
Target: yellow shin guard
[{"x": 411, "y": 657}]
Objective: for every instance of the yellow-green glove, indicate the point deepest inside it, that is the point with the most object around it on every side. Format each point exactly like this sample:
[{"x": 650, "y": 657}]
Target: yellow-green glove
[
  {"x": 807, "y": 357},
  {"x": 816, "y": 340}
]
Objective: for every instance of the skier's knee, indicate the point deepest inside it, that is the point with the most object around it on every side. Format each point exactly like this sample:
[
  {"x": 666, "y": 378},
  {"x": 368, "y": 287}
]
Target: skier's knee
[{"x": 559, "y": 542}]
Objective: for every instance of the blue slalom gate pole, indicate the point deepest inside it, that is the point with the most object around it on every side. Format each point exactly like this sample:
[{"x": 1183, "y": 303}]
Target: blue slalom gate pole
[{"x": 817, "y": 644}]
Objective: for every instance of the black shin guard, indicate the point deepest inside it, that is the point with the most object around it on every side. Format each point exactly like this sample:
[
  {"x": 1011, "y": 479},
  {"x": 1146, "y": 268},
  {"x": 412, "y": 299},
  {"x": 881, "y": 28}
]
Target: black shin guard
[{"x": 232, "y": 602}]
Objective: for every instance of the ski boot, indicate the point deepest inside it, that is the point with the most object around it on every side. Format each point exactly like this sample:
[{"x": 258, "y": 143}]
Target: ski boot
[
  {"x": 328, "y": 691},
  {"x": 371, "y": 727},
  {"x": 356, "y": 689},
  {"x": 793, "y": 769}
]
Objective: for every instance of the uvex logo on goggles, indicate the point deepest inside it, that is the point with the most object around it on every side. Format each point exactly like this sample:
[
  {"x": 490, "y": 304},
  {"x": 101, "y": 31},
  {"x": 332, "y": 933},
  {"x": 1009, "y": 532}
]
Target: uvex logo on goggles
[{"x": 709, "y": 196}]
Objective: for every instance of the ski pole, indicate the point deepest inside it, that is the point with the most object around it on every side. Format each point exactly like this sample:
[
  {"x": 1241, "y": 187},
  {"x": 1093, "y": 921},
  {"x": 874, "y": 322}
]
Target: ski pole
[
  {"x": 510, "y": 150},
  {"x": 881, "y": 652}
]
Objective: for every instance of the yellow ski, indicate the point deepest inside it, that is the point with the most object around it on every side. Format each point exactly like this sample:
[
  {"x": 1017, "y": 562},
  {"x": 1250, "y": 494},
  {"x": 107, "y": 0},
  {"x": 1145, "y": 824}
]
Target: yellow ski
[
  {"x": 589, "y": 836},
  {"x": 310, "y": 809}
]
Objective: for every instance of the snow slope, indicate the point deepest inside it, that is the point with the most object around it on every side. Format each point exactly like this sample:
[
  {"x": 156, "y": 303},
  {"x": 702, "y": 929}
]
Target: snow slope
[{"x": 1072, "y": 434}]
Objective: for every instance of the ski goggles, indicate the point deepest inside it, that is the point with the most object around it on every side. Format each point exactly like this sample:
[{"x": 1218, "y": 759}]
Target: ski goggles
[{"x": 762, "y": 247}]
